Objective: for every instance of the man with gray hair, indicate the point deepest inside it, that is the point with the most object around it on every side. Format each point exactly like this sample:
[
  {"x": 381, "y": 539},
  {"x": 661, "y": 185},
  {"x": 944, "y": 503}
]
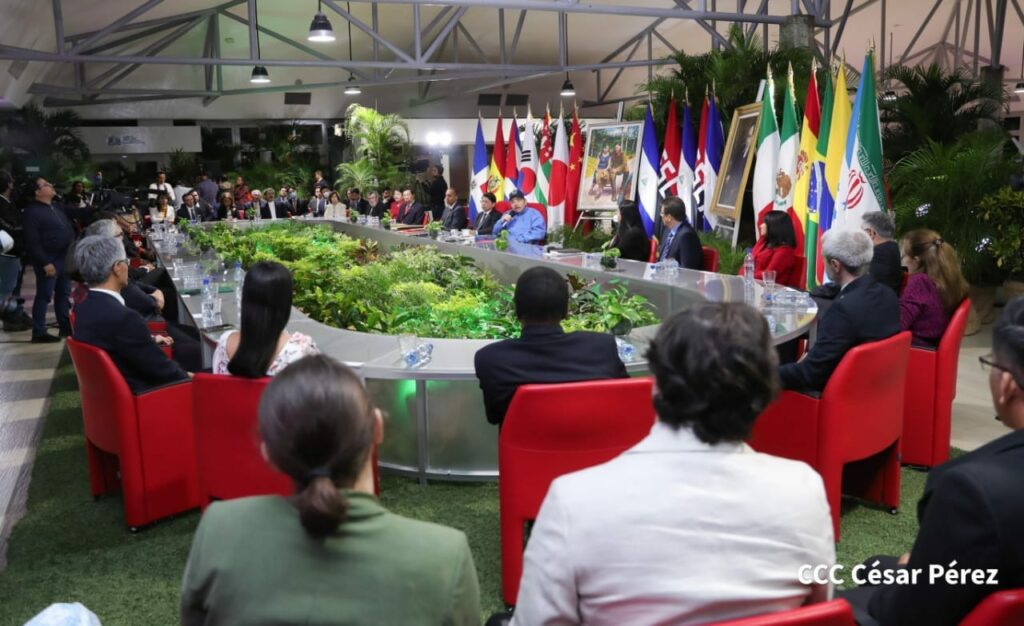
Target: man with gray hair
[
  {"x": 103, "y": 320},
  {"x": 886, "y": 264},
  {"x": 863, "y": 311}
]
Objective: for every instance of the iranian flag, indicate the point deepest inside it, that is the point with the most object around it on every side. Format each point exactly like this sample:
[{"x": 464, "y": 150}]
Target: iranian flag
[
  {"x": 861, "y": 185},
  {"x": 528, "y": 161},
  {"x": 785, "y": 177},
  {"x": 544, "y": 161},
  {"x": 767, "y": 153},
  {"x": 559, "y": 177}
]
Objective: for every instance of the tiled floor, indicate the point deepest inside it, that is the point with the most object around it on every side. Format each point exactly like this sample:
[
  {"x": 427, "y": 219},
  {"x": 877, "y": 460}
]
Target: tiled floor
[{"x": 974, "y": 422}]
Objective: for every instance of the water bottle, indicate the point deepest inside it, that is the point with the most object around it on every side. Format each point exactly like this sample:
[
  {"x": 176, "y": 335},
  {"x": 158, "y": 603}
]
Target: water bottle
[
  {"x": 239, "y": 275},
  {"x": 627, "y": 352},
  {"x": 748, "y": 277},
  {"x": 208, "y": 303}
]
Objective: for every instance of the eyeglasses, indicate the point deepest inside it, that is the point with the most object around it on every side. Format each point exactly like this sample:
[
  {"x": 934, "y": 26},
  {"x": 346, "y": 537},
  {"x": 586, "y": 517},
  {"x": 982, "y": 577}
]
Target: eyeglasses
[{"x": 988, "y": 363}]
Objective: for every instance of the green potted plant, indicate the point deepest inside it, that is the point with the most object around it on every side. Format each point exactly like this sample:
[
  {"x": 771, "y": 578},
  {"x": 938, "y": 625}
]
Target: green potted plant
[
  {"x": 434, "y": 229},
  {"x": 353, "y": 216},
  {"x": 610, "y": 257},
  {"x": 501, "y": 243},
  {"x": 1004, "y": 212},
  {"x": 385, "y": 222}
]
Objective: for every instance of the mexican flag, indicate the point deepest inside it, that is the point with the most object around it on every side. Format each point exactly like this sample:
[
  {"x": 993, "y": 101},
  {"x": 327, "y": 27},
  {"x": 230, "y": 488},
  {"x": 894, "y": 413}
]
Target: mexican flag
[
  {"x": 544, "y": 171},
  {"x": 767, "y": 153},
  {"x": 785, "y": 178},
  {"x": 861, "y": 184}
]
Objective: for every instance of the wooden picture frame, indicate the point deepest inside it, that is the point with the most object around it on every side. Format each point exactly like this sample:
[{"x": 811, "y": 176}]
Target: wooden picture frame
[{"x": 740, "y": 147}]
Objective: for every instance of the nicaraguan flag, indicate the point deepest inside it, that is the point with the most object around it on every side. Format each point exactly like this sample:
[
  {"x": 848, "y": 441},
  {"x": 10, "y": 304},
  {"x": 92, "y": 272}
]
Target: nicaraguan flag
[{"x": 647, "y": 181}]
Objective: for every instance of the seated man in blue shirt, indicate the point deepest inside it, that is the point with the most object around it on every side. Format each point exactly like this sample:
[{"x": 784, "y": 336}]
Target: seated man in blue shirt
[{"x": 523, "y": 224}]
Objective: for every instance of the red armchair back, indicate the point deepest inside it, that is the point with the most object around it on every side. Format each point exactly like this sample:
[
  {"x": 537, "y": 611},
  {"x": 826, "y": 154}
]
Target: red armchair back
[
  {"x": 801, "y": 271},
  {"x": 929, "y": 395},
  {"x": 551, "y": 430},
  {"x": 502, "y": 205},
  {"x": 710, "y": 259},
  {"x": 1002, "y": 608},
  {"x": 857, "y": 418},
  {"x": 834, "y": 613},
  {"x": 543, "y": 210},
  {"x": 147, "y": 438},
  {"x": 653, "y": 256}
]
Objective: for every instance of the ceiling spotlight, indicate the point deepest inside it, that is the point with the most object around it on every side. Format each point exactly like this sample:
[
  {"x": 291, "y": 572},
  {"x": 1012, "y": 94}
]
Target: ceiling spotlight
[
  {"x": 353, "y": 88},
  {"x": 568, "y": 90},
  {"x": 1019, "y": 88},
  {"x": 259, "y": 75},
  {"x": 320, "y": 29}
]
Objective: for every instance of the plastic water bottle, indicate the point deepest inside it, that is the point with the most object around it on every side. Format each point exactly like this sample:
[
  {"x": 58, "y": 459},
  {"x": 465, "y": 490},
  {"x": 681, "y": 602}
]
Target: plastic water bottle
[
  {"x": 208, "y": 303},
  {"x": 239, "y": 275},
  {"x": 748, "y": 277},
  {"x": 627, "y": 352}
]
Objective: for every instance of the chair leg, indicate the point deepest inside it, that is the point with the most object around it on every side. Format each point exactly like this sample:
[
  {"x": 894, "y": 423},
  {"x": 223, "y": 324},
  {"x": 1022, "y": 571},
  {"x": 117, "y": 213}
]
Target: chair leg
[
  {"x": 891, "y": 484},
  {"x": 102, "y": 470}
]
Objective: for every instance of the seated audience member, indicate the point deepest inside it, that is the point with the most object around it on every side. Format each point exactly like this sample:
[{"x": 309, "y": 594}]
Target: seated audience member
[
  {"x": 397, "y": 200},
  {"x": 970, "y": 511},
  {"x": 543, "y": 353},
  {"x": 678, "y": 239},
  {"x": 257, "y": 205},
  {"x": 241, "y": 193},
  {"x": 189, "y": 209},
  {"x": 454, "y": 215},
  {"x": 885, "y": 264},
  {"x": 335, "y": 209},
  {"x": 488, "y": 215},
  {"x": 283, "y": 205},
  {"x": 775, "y": 251},
  {"x": 378, "y": 208},
  {"x": 863, "y": 311},
  {"x": 263, "y": 347},
  {"x": 103, "y": 320},
  {"x": 524, "y": 224},
  {"x": 338, "y": 556},
  {"x": 935, "y": 287},
  {"x": 163, "y": 208},
  {"x": 631, "y": 237},
  {"x": 410, "y": 211},
  {"x": 690, "y": 525},
  {"x": 317, "y": 204},
  {"x": 354, "y": 201},
  {"x": 226, "y": 209}
]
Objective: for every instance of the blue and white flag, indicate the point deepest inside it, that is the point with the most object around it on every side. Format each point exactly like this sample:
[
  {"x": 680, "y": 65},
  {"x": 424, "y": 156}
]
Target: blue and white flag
[
  {"x": 480, "y": 167},
  {"x": 647, "y": 180},
  {"x": 714, "y": 143}
]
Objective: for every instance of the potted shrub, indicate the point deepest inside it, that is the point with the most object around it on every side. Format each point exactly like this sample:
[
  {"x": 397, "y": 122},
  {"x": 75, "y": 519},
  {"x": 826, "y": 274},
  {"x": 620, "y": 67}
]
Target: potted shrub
[
  {"x": 501, "y": 243},
  {"x": 1004, "y": 212},
  {"x": 385, "y": 222},
  {"x": 610, "y": 258},
  {"x": 434, "y": 229},
  {"x": 353, "y": 216}
]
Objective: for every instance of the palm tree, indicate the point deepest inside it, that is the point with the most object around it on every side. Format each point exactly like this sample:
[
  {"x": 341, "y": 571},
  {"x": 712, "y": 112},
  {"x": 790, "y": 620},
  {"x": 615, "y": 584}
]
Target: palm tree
[
  {"x": 49, "y": 138},
  {"x": 937, "y": 106},
  {"x": 383, "y": 138}
]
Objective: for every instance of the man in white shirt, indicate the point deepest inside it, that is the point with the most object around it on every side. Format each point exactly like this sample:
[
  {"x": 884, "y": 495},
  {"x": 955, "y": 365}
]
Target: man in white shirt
[
  {"x": 161, "y": 186},
  {"x": 690, "y": 525}
]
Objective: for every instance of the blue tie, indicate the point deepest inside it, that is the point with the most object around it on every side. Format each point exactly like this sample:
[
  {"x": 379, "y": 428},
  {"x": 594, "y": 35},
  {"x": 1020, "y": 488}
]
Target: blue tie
[{"x": 668, "y": 244}]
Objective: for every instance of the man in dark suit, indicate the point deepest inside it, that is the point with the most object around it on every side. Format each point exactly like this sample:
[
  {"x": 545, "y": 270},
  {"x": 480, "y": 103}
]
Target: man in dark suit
[
  {"x": 188, "y": 209},
  {"x": 258, "y": 204},
  {"x": 543, "y": 353},
  {"x": 355, "y": 202},
  {"x": 863, "y": 311},
  {"x": 488, "y": 215},
  {"x": 411, "y": 212},
  {"x": 48, "y": 233},
  {"x": 317, "y": 204},
  {"x": 454, "y": 215},
  {"x": 970, "y": 513},
  {"x": 103, "y": 320},
  {"x": 887, "y": 262},
  {"x": 435, "y": 186},
  {"x": 680, "y": 242},
  {"x": 378, "y": 209}
]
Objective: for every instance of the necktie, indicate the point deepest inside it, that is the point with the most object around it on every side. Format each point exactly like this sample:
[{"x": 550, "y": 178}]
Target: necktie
[{"x": 668, "y": 244}]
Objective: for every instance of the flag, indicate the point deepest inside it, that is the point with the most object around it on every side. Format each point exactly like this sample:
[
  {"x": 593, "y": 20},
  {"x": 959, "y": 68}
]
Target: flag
[
  {"x": 861, "y": 184},
  {"x": 544, "y": 161},
  {"x": 575, "y": 171},
  {"x": 808, "y": 143},
  {"x": 512, "y": 151},
  {"x": 698, "y": 163},
  {"x": 789, "y": 153},
  {"x": 496, "y": 175},
  {"x": 528, "y": 161},
  {"x": 839, "y": 126},
  {"x": 670, "y": 152},
  {"x": 647, "y": 179},
  {"x": 687, "y": 164},
  {"x": 714, "y": 143},
  {"x": 557, "y": 215},
  {"x": 767, "y": 153},
  {"x": 818, "y": 196},
  {"x": 479, "y": 186}
]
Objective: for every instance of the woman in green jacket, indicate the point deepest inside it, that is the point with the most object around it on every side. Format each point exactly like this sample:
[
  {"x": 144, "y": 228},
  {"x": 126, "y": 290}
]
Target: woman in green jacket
[{"x": 330, "y": 554}]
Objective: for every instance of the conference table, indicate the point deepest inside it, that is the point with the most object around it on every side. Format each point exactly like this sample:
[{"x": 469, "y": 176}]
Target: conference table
[{"x": 435, "y": 427}]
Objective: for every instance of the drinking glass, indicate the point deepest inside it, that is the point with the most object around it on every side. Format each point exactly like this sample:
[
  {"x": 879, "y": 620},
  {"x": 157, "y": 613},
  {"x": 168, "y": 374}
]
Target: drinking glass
[{"x": 768, "y": 277}]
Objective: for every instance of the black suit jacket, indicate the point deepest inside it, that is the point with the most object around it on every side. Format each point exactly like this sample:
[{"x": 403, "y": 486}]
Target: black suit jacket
[
  {"x": 411, "y": 213},
  {"x": 380, "y": 209},
  {"x": 542, "y": 354},
  {"x": 887, "y": 265},
  {"x": 48, "y": 233},
  {"x": 455, "y": 218},
  {"x": 361, "y": 206},
  {"x": 634, "y": 244},
  {"x": 971, "y": 512},
  {"x": 102, "y": 321},
  {"x": 485, "y": 222},
  {"x": 182, "y": 213},
  {"x": 685, "y": 248},
  {"x": 862, "y": 312}
]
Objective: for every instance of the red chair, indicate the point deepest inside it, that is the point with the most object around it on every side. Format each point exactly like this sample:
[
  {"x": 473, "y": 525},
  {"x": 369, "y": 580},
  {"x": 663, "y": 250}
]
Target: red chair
[
  {"x": 653, "y": 256},
  {"x": 801, "y": 268},
  {"x": 543, "y": 210},
  {"x": 834, "y": 613},
  {"x": 710, "y": 259},
  {"x": 856, "y": 418},
  {"x": 551, "y": 430},
  {"x": 143, "y": 443},
  {"x": 230, "y": 464},
  {"x": 502, "y": 205},
  {"x": 930, "y": 393},
  {"x": 1002, "y": 608}
]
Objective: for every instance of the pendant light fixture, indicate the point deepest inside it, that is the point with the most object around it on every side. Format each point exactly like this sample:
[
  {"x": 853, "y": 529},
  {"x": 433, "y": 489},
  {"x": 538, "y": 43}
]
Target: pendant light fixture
[
  {"x": 260, "y": 75},
  {"x": 320, "y": 29},
  {"x": 352, "y": 89},
  {"x": 568, "y": 91}
]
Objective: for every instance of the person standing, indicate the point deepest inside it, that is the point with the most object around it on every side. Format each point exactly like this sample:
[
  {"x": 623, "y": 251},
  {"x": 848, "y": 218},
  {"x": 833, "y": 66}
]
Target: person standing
[
  {"x": 207, "y": 189},
  {"x": 159, "y": 188},
  {"x": 11, "y": 251},
  {"x": 436, "y": 187},
  {"x": 48, "y": 233}
]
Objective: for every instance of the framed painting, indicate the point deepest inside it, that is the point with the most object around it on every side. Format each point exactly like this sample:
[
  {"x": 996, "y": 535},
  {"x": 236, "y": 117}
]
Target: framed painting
[
  {"x": 609, "y": 165},
  {"x": 740, "y": 147}
]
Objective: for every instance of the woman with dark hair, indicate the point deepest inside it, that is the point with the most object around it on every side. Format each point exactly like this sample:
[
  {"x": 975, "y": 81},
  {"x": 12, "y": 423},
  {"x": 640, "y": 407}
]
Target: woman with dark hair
[
  {"x": 241, "y": 192},
  {"x": 76, "y": 196},
  {"x": 776, "y": 250},
  {"x": 336, "y": 209},
  {"x": 935, "y": 287},
  {"x": 263, "y": 347},
  {"x": 631, "y": 238},
  {"x": 329, "y": 554}
]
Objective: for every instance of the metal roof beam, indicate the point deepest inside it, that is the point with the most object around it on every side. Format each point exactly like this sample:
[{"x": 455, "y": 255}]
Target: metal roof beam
[
  {"x": 369, "y": 31},
  {"x": 113, "y": 26},
  {"x": 119, "y": 71},
  {"x": 160, "y": 20},
  {"x": 58, "y": 26},
  {"x": 443, "y": 35}
]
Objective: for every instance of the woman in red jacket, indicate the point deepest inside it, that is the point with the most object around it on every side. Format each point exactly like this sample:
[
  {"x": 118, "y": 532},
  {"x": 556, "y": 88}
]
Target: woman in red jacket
[{"x": 776, "y": 250}]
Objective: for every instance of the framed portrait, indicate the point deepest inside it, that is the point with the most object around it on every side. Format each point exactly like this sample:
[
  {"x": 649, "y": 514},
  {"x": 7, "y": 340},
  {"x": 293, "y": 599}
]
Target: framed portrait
[
  {"x": 610, "y": 165},
  {"x": 740, "y": 147}
]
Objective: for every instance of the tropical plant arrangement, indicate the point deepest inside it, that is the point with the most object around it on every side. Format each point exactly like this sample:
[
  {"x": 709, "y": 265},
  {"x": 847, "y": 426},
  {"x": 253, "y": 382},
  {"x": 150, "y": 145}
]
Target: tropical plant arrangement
[
  {"x": 610, "y": 257},
  {"x": 1003, "y": 211},
  {"x": 414, "y": 289},
  {"x": 434, "y": 229},
  {"x": 381, "y": 141},
  {"x": 49, "y": 141}
]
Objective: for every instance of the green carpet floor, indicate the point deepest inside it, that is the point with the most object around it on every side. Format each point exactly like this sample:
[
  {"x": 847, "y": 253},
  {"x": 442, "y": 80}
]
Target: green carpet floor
[{"x": 69, "y": 548}]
